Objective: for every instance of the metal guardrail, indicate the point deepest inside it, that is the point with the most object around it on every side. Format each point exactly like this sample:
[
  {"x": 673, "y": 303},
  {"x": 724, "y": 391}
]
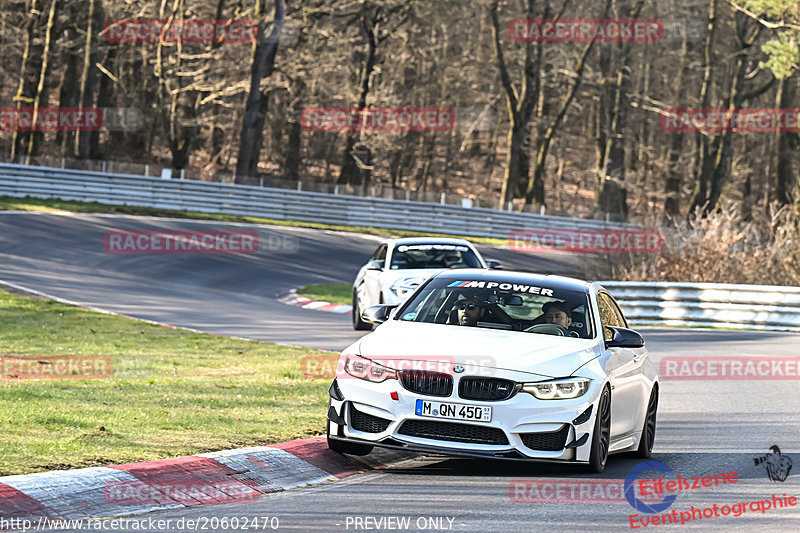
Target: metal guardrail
[
  {"x": 280, "y": 204},
  {"x": 766, "y": 307},
  {"x": 651, "y": 303},
  {"x": 308, "y": 183}
]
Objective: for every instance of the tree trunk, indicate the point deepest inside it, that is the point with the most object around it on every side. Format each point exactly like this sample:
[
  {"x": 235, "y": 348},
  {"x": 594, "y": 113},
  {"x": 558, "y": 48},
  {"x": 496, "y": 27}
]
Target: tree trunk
[
  {"x": 256, "y": 105},
  {"x": 87, "y": 83},
  {"x": 518, "y": 162},
  {"x": 294, "y": 147},
  {"x": 700, "y": 195},
  {"x": 787, "y": 143},
  {"x": 736, "y": 97},
  {"x": 26, "y": 77},
  {"x": 41, "y": 90},
  {"x": 612, "y": 168},
  {"x": 105, "y": 100},
  {"x": 535, "y": 190},
  {"x": 68, "y": 90},
  {"x": 672, "y": 185},
  {"x": 520, "y": 105},
  {"x": 428, "y": 145},
  {"x": 353, "y": 170}
]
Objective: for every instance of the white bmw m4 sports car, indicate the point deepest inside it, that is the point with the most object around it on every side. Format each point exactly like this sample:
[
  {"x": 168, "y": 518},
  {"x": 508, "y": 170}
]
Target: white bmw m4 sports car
[{"x": 496, "y": 364}]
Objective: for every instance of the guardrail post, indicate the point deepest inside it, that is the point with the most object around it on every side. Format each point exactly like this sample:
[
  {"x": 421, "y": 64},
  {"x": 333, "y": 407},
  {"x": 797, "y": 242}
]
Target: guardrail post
[
  {"x": 63, "y": 163},
  {"x": 336, "y": 189},
  {"x": 299, "y": 185},
  {"x": 441, "y": 201},
  {"x": 261, "y": 181},
  {"x": 147, "y": 170},
  {"x": 104, "y": 165},
  {"x": 408, "y": 195},
  {"x": 183, "y": 173}
]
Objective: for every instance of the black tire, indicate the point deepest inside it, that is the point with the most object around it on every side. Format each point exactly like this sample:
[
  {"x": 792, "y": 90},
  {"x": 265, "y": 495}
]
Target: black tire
[
  {"x": 601, "y": 436},
  {"x": 350, "y": 448},
  {"x": 358, "y": 324},
  {"x": 649, "y": 430}
]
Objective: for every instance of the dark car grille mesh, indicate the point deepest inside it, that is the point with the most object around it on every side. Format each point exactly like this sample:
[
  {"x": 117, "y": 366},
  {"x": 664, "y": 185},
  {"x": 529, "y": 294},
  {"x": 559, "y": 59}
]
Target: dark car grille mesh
[
  {"x": 425, "y": 382},
  {"x": 367, "y": 423},
  {"x": 486, "y": 389},
  {"x": 552, "y": 441},
  {"x": 453, "y": 432}
]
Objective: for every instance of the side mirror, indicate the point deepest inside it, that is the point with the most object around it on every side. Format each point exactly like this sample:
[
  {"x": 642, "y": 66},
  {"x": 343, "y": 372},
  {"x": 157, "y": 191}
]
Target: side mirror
[
  {"x": 377, "y": 314},
  {"x": 375, "y": 264},
  {"x": 494, "y": 264},
  {"x": 624, "y": 338}
]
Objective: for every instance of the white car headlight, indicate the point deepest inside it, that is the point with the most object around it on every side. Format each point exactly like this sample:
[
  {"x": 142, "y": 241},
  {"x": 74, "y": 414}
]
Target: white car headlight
[
  {"x": 558, "y": 389},
  {"x": 362, "y": 368},
  {"x": 405, "y": 286}
]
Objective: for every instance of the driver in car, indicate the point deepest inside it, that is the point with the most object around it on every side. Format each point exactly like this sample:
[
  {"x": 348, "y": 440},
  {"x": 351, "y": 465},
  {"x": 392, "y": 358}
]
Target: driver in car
[
  {"x": 557, "y": 313},
  {"x": 470, "y": 311}
]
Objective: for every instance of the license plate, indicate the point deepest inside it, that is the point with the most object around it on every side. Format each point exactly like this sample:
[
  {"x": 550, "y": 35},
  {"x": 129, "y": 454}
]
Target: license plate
[{"x": 453, "y": 411}]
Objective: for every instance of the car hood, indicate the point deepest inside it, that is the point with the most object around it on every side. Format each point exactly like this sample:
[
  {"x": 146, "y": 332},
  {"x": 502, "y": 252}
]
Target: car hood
[
  {"x": 547, "y": 356},
  {"x": 387, "y": 277}
]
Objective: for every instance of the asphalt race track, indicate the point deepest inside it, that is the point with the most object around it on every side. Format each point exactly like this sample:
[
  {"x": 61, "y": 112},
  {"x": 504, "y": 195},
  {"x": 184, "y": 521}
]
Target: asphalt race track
[
  {"x": 64, "y": 255},
  {"x": 704, "y": 427}
]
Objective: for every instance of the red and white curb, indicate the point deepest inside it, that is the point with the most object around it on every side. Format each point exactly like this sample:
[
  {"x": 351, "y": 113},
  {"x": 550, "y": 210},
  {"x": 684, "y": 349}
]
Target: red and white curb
[
  {"x": 230, "y": 476},
  {"x": 292, "y": 298}
]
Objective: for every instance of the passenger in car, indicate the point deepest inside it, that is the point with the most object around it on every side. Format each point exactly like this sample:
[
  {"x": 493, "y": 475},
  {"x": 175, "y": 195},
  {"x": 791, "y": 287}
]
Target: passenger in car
[{"x": 557, "y": 313}]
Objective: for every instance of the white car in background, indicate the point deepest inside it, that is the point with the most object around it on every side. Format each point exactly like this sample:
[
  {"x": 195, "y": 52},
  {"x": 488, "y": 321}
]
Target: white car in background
[{"x": 399, "y": 266}]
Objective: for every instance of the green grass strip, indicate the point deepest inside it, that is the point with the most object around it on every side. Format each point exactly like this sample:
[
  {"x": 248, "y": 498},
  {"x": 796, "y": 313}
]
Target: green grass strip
[{"x": 171, "y": 392}]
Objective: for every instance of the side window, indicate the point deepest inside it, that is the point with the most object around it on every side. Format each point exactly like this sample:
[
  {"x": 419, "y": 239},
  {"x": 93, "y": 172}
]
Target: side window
[
  {"x": 609, "y": 314},
  {"x": 618, "y": 311},
  {"x": 380, "y": 253}
]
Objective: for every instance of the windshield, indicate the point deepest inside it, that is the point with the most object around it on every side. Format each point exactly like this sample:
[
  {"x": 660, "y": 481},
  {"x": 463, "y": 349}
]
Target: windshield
[
  {"x": 434, "y": 256},
  {"x": 499, "y": 304}
]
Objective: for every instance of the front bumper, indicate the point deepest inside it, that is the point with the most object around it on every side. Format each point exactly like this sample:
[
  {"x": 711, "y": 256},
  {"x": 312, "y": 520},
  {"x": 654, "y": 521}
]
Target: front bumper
[{"x": 522, "y": 427}]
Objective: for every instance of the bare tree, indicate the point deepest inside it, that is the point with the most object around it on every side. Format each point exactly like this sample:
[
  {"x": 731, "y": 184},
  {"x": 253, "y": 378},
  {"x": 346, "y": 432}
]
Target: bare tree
[{"x": 263, "y": 65}]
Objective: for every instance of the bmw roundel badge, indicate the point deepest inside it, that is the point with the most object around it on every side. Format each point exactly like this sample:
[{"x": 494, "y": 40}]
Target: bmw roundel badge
[{"x": 458, "y": 369}]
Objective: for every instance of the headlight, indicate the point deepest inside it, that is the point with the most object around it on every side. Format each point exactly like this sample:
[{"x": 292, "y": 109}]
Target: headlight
[
  {"x": 405, "y": 286},
  {"x": 558, "y": 389},
  {"x": 362, "y": 368}
]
